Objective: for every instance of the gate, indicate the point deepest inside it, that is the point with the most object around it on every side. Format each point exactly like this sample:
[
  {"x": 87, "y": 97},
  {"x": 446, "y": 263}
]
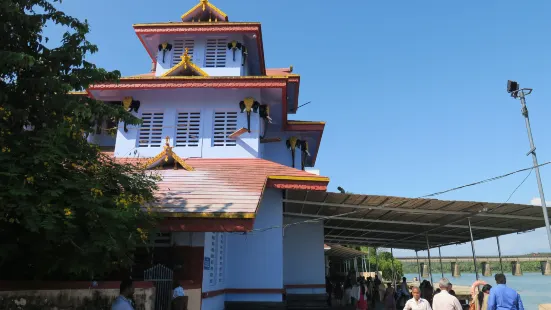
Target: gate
[{"x": 161, "y": 276}]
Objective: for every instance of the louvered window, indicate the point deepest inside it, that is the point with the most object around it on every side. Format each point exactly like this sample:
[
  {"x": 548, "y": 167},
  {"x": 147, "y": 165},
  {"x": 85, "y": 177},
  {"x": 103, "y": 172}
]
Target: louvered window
[
  {"x": 151, "y": 131},
  {"x": 215, "y": 54},
  {"x": 188, "y": 125},
  {"x": 178, "y": 49},
  {"x": 225, "y": 123}
]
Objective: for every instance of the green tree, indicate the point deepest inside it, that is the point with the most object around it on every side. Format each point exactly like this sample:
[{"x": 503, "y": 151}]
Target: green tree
[
  {"x": 65, "y": 210},
  {"x": 388, "y": 265}
]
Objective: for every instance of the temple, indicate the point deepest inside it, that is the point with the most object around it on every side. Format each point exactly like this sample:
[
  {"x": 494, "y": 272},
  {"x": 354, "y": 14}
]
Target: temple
[{"x": 216, "y": 130}]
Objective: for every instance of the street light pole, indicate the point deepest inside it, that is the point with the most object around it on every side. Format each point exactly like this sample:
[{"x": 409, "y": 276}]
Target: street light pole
[{"x": 513, "y": 88}]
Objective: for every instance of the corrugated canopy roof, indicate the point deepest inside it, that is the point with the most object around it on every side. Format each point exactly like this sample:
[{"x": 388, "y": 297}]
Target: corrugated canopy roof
[
  {"x": 342, "y": 252},
  {"x": 397, "y": 222}
]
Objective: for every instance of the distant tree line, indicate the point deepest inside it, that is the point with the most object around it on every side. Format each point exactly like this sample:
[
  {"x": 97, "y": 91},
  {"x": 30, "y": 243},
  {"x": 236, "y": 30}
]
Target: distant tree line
[{"x": 468, "y": 267}]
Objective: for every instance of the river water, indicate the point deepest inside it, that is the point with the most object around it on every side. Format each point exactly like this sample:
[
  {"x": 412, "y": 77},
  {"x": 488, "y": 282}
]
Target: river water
[{"x": 534, "y": 288}]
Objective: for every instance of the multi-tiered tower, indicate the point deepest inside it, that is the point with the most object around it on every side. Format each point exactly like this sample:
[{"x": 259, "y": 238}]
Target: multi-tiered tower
[{"x": 215, "y": 127}]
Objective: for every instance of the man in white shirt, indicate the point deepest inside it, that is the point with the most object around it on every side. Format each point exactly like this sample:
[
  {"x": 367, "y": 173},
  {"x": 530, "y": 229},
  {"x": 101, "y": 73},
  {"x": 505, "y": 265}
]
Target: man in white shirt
[
  {"x": 443, "y": 300},
  {"x": 417, "y": 303}
]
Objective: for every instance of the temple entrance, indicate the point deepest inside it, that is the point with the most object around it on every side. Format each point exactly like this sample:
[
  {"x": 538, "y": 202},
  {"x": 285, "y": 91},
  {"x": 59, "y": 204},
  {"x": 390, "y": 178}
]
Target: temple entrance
[{"x": 162, "y": 277}]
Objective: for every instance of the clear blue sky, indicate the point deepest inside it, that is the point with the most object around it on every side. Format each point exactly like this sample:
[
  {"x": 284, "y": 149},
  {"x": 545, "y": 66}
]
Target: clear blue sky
[{"x": 413, "y": 92}]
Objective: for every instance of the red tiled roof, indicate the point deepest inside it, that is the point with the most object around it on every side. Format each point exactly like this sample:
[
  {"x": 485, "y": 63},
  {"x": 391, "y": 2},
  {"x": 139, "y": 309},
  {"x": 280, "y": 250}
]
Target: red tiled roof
[{"x": 224, "y": 185}]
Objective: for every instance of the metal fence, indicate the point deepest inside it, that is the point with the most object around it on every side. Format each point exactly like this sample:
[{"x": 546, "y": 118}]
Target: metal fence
[{"x": 161, "y": 276}]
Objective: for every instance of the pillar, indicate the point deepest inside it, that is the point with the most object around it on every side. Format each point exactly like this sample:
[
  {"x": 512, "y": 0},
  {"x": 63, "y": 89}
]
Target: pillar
[
  {"x": 515, "y": 267},
  {"x": 455, "y": 270},
  {"x": 425, "y": 270},
  {"x": 546, "y": 268},
  {"x": 486, "y": 269}
]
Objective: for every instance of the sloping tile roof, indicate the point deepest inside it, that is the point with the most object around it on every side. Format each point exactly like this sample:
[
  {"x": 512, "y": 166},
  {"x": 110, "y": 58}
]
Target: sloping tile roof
[{"x": 219, "y": 187}]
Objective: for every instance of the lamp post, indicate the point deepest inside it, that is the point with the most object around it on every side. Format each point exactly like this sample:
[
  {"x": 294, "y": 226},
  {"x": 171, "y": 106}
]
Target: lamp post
[{"x": 521, "y": 93}]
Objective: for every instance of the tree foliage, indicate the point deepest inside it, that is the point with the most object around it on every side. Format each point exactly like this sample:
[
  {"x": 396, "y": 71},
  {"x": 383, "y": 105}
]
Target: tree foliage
[
  {"x": 387, "y": 264},
  {"x": 65, "y": 210}
]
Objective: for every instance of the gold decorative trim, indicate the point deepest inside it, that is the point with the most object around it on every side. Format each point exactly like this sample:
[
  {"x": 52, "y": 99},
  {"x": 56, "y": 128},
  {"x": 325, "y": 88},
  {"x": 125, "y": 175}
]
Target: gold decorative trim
[
  {"x": 182, "y": 162},
  {"x": 80, "y": 93},
  {"x": 185, "y": 63},
  {"x": 167, "y": 153},
  {"x": 233, "y": 215},
  {"x": 271, "y": 77},
  {"x": 203, "y": 4}
]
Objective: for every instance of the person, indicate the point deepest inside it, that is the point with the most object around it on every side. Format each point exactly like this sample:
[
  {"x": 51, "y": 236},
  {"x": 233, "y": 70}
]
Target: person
[
  {"x": 124, "y": 300},
  {"x": 376, "y": 294},
  {"x": 443, "y": 300},
  {"x": 481, "y": 300},
  {"x": 502, "y": 297},
  {"x": 417, "y": 303},
  {"x": 177, "y": 289},
  {"x": 338, "y": 293},
  {"x": 390, "y": 302},
  {"x": 362, "y": 300},
  {"x": 451, "y": 291},
  {"x": 347, "y": 290},
  {"x": 328, "y": 290},
  {"x": 404, "y": 288}
]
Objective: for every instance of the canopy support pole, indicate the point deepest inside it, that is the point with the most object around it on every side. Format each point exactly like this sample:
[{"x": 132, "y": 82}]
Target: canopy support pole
[
  {"x": 356, "y": 266},
  {"x": 472, "y": 246},
  {"x": 499, "y": 252},
  {"x": 393, "y": 269},
  {"x": 430, "y": 267},
  {"x": 418, "y": 266},
  {"x": 441, "y": 266},
  {"x": 369, "y": 260},
  {"x": 376, "y": 263}
]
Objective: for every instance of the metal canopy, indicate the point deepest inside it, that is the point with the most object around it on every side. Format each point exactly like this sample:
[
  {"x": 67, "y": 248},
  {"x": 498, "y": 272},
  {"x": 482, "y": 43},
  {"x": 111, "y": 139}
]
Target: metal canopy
[
  {"x": 341, "y": 252},
  {"x": 397, "y": 222}
]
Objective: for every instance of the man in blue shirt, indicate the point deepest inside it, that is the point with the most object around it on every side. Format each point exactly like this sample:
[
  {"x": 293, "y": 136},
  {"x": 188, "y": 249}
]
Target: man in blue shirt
[
  {"x": 502, "y": 297},
  {"x": 123, "y": 302}
]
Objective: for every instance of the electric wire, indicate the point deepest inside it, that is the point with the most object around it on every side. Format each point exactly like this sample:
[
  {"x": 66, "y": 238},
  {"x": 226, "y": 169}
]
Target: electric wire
[
  {"x": 395, "y": 204},
  {"x": 458, "y": 220}
]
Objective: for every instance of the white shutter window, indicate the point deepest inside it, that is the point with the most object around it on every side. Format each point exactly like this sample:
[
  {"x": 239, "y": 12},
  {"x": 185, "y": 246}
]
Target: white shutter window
[
  {"x": 225, "y": 123},
  {"x": 151, "y": 131},
  {"x": 188, "y": 125},
  {"x": 178, "y": 49},
  {"x": 215, "y": 53}
]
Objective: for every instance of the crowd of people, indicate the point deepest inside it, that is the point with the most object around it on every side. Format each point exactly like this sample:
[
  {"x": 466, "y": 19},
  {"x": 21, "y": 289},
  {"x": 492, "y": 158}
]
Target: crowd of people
[{"x": 365, "y": 294}]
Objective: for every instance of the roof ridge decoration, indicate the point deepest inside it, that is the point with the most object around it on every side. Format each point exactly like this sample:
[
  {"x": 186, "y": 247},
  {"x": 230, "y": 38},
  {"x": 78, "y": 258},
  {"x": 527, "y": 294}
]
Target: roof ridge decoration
[
  {"x": 185, "y": 65},
  {"x": 165, "y": 155},
  {"x": 204, "y": 11}
]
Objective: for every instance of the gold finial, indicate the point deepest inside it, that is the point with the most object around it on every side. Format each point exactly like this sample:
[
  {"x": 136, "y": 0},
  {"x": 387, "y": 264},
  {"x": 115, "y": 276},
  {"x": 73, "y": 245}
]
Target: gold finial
[
  {"x": 167, "y": 141},
  {"x": 290, "y": 68},
  {"x": 185, "y": 57},
  {"x": 204, "y": 2}
]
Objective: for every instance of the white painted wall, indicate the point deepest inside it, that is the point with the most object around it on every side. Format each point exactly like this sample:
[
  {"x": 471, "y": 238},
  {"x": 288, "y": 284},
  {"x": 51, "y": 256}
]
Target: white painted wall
[
  {"x": 207, "y": 101},
  {"x": 256, "y": 259},
  {"x": 215, "y": 269},
  {"x": 303, "y": 256}
]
